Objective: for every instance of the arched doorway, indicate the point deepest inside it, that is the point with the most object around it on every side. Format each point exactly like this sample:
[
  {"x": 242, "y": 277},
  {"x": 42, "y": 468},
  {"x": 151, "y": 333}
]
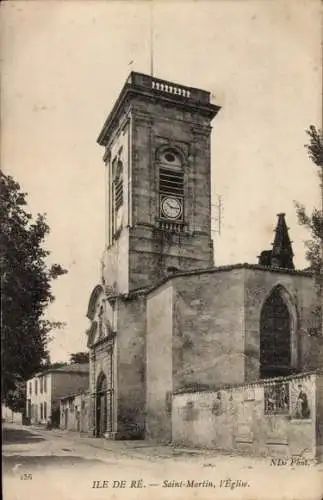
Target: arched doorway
[
  {"x": 275, "y": 336},
  {"x": 101, "y": 405}
]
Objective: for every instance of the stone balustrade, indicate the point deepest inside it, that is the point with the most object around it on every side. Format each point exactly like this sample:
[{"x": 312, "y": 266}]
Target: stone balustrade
[{"x": 171, "y": 89}]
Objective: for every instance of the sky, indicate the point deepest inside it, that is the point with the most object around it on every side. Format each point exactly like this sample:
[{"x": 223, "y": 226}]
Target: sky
[{"x": 63, "y": 65}]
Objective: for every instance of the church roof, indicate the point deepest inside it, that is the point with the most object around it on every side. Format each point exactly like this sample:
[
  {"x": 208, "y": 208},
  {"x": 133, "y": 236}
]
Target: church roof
[
  {"x": 72, "y": 368},
  {"x": 211, "y": 270}
]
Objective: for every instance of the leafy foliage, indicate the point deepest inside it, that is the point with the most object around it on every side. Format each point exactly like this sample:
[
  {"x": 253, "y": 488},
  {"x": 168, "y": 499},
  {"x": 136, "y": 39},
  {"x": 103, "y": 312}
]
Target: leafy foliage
[
  {"x": 76, "y": 357},
  {"x": 79, "y": 357},
  {"x": 57, "y": 364},
  {"x": 314, "y": 221},
  {"x": 315, "y": 147},
  {"x": 26, "y": 290},
  {"x": 16, "y": 399}
]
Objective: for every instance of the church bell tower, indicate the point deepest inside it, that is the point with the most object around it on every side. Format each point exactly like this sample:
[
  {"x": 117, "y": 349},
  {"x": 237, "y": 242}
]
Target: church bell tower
[{"x": 158, "y": 182}]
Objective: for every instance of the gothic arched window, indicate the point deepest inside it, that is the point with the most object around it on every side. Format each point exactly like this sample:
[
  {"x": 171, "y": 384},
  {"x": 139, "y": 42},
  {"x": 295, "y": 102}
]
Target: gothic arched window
[{"x": 275, "y": 336}]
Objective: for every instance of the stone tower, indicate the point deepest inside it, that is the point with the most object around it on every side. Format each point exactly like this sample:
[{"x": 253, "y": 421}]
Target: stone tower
[{"x": 158, "y": 182}]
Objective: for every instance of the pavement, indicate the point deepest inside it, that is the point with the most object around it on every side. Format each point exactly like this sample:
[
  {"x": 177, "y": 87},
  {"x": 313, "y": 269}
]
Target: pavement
[
  {"x": 138, "y": 448},
  {"x": 68, "y": 466}
]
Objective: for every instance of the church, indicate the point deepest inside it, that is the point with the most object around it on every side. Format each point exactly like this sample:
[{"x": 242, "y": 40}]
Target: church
[{"x": 165, "y": 321}]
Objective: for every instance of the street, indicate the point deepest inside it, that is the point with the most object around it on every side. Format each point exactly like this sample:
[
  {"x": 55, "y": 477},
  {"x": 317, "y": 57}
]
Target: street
[{"x": 64, "y": 465}]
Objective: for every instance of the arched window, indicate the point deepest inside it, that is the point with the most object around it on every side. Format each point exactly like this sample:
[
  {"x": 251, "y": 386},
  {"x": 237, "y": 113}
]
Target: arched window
[
  {"x": 171, "y": 173},
  {"x": 118, "y": 182},
  {"x": 275, "y": 336},
  {"x": 171, "y": 185},
  {"x": 117, "y": 194}
]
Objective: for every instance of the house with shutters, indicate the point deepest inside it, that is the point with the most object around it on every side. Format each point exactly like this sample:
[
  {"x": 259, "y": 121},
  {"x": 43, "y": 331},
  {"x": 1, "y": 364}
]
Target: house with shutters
[{"x": 43, "y": 392}]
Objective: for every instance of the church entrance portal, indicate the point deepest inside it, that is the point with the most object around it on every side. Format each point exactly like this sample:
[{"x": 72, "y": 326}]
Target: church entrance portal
[
  {"x": 275, "y": 337},
  {"x": 103, "y": 407}
]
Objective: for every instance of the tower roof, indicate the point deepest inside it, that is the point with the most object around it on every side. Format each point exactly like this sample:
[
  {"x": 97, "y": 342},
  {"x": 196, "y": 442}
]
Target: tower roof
[
  {"x": 281, "y": 254},
  {"x": 282, "y": 247},
  {"x": 151, "y": 88}
]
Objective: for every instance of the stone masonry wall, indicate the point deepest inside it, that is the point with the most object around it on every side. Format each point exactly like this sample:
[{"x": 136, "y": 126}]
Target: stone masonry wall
[
  {"x": 235, "y": 418},
  {"x": 319, "y": 415},
  {"x": 74, "y": 413},
  {"x": 130, "y": 371},
  {"x": 159, "y": 363},
  {"x": 155, "y": 125},
  {"x": 208, "y": 342}
]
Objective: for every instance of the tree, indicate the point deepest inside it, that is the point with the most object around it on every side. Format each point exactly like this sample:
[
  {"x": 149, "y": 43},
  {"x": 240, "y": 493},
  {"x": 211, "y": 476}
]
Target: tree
[
  {"x": 56, "y": 364},
  {"x": 79, "y": 357},
  {"x": 314, "y": 221},
  {"x": 25, "y": 288},
  {"x": 16, "y": 399}
]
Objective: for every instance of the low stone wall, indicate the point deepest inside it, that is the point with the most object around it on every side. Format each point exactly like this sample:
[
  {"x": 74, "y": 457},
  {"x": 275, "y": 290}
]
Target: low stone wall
[
  {"x": 10, "y": 416},
  {"x": 276, "y": 417}
]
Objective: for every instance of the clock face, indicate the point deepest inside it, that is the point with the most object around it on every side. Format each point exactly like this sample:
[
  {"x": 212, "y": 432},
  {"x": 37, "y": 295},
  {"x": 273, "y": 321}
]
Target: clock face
[{"x": 171, "y": 207}]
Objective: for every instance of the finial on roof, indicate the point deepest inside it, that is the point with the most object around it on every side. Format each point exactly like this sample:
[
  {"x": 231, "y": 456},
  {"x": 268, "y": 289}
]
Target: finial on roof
[{"x": 281, "y": 254}]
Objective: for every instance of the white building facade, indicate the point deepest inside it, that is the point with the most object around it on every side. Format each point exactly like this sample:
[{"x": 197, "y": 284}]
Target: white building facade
[{"x": 45, "y": 390}]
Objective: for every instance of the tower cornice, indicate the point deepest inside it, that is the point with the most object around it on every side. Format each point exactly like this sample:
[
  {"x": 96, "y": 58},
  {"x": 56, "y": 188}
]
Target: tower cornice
[{"x": 150, "y": 88}]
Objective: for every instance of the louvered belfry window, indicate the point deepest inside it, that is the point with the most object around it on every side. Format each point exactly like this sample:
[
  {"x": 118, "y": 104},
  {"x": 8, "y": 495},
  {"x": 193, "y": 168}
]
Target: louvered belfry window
[
  {"x": 118, "y": 187},
  {"x": 171, "y": 174},
  {"x": 117, "y": 194}
]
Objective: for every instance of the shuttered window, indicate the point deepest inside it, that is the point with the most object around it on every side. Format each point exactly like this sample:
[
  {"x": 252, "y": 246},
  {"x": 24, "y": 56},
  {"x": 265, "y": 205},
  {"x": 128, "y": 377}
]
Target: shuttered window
[
  {"x": 171, "y": 174},
  {"x": 171, "y": 181}
]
